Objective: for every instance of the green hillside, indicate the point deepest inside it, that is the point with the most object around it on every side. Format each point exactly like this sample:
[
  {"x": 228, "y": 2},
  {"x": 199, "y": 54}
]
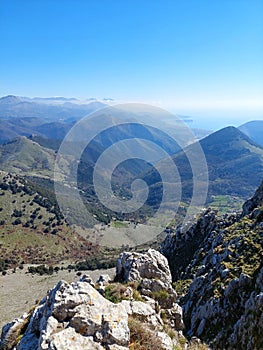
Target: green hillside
[
  {"x": 32, "y": 229},
  {"x": 26, "y": 157},
  {"x": 235, "y": 166}
]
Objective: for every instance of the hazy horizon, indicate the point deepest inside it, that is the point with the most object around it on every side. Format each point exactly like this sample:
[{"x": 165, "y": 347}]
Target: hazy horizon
[
  {"x": 197, "y": 58},
  {"x": 191, "y": 118}
]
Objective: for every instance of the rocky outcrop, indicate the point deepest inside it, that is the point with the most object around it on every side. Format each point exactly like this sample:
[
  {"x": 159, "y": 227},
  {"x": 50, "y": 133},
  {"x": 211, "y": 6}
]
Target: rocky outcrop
[
  {"x": 77, "y": 316},
  {"x": 152, "y": 271},
  {"x": 254, "y": 202},
  {"x": 223, "y": 304},
  {"x": 248, "y": 329},
  {"x": 180, "y": 246},
  {"x": 136, "y": 266},
  {"x": 71, "y": 316}
]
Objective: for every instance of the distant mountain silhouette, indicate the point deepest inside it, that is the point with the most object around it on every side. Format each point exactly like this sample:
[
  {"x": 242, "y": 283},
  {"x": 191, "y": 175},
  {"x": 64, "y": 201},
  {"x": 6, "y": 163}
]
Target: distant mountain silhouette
[
  {"x": 254, "y": 130},
  {"x": 49, "y": 109}
]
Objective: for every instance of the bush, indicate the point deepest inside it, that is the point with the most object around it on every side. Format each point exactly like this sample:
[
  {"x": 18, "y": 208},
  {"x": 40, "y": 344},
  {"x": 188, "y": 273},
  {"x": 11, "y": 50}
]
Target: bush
[
  {"x": 17, "y": 222},
  {"x": 3, "y": 265},
  {"x": 115, "y": 292},
  {"x": 17, "y": 213},
  {"x": 4, "y": 186}
]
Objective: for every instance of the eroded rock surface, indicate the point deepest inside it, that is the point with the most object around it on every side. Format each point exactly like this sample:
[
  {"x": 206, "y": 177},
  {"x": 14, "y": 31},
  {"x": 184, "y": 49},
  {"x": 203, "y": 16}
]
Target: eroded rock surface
[
  {"x": 71, "y": 316},
  {"x": 221, "y": 257},
  {"x": 77, "y": 316},
  {"x": 137, "y": 266}
]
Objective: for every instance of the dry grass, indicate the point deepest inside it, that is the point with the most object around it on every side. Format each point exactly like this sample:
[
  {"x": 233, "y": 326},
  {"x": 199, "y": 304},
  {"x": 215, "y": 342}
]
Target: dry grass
[{"x": 141, "y": 337}]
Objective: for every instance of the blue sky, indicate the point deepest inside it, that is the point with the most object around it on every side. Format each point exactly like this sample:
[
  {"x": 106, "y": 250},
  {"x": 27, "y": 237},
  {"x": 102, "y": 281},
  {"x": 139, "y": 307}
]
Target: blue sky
[{"x": 202, "y": 58}]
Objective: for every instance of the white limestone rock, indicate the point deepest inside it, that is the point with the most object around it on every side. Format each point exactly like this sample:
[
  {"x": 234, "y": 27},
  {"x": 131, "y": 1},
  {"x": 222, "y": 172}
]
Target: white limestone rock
[
  {"x": 73, "y": 316},
  {"x": 136, "y": 266}
]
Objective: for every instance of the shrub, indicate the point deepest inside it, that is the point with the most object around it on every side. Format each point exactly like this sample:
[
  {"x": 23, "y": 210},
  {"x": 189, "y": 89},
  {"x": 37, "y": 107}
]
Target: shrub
[
  {"x": 4, "y": 186},
  {"x": 17, "y": 213},
  {"x": 17, "y": 222},
  {"x": 181, "y": 286}
]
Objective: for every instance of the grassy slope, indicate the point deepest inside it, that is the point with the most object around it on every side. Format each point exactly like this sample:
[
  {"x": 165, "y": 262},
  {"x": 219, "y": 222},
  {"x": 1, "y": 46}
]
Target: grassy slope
[
  {"x": 25, "y": 156},
  {"x": 32, "y": 229}
]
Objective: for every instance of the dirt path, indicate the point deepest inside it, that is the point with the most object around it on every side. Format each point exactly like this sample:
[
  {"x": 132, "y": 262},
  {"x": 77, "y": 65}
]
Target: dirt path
[{"x": 19, "y": 291}]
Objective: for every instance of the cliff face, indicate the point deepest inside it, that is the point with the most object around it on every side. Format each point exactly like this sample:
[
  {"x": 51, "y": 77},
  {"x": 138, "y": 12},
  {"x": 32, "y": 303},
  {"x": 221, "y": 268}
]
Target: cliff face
[
  {"x": 254, "y": 202},
  {"x": 223, "y": 268}
]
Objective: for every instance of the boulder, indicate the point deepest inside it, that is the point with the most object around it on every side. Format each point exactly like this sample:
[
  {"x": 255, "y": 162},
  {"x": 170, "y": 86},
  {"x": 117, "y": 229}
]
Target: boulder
[
  {"x": 151, "y": 270},
  {"x": 137, "y": 266}
]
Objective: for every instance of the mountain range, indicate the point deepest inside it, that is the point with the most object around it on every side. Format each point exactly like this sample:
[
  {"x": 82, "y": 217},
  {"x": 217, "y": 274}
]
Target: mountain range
[
  {"x": 48, "y": 117},
  {"x": 234, "y": 159},
  {"x": 48, "y": 109},
  {"x": 235, "y": 163}
]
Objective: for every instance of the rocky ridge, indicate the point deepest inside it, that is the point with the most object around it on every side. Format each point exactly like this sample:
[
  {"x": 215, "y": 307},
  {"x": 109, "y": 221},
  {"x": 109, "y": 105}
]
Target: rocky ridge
[
  {"x": 220, "y": 261},
  {"x": 80, "y": 315}
]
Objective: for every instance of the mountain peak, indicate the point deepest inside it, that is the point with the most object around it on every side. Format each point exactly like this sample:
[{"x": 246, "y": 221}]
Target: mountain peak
[
  {"x": 226, "y": 136},
  {"x": 10, "y": 99}
]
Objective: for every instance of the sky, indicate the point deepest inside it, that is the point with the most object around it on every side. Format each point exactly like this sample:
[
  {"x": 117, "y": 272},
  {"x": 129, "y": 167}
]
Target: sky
[{"x": 199, "y": 58}]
